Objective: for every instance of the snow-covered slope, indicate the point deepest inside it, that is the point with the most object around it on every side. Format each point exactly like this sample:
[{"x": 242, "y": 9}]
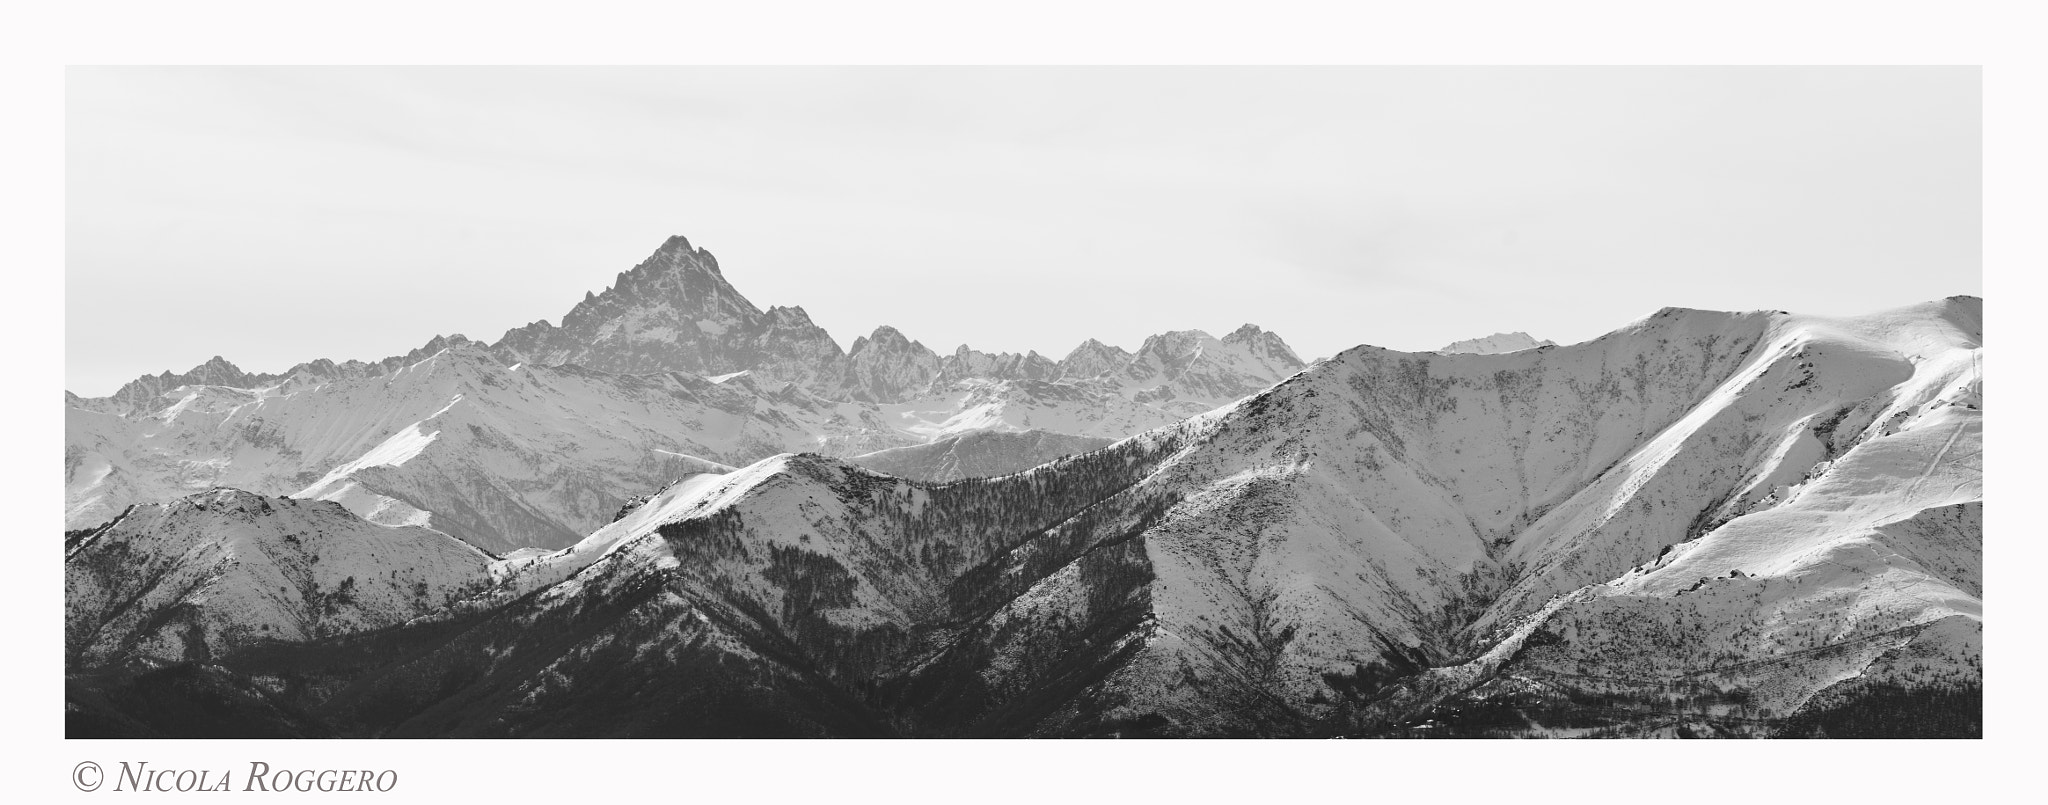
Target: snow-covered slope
[
  {"x": 500, "y": 456},
  {"x": 1845, "y": 562},
  {"x": 196, "y": 578},
  {"x": 1496, "y": 344}
]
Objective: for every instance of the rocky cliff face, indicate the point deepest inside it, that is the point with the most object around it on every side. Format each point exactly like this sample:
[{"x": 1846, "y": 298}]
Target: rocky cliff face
[
  {"x": 675, "y": 312},
  {"x": 888, "y": 367}
]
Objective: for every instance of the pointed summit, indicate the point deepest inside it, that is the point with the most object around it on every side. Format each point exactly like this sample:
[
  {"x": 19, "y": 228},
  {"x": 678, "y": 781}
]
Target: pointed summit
[
  {"x": 216, "y": 371},
  {"x": 1265, "y": 349},
  {"x": 1244, "y": 333},
  {"x": 1092, "y": 359},
  {"x": 674, "y": 311},
  {"x": 675, "y": 258},
  {"x": 679, "y": 253},
  {"x": 146, "y": 394}
]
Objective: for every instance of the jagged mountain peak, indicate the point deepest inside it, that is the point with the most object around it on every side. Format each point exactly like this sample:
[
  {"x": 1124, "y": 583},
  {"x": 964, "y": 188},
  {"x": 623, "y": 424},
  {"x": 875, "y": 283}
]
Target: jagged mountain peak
[
  {"x": 214, "y": 371},
  {"x": 677, "y": 253},
  {"x": 149, "y": 394},
  {"x": 677, "y": 243},
  {"x": 216, "y": 362},
  {"x": 1244, "y": 332},
  {"x": 1265, "y": 345},
  {"x": 1092, "y": 358},
  {"x": 1174, "y": 348},
  {"x": 453, "y": 352},
  {"x": 677, "y": 272},
  {"x": 437, "y": 345},
  {"x": 674, "y": 311},
  {"x": 1249, "y": 350},
  {"x": 885, "y": 337},
  {"x": 682, "y": 280},
  {"x": 888, "y": 367},
  {"x": 789, "y": 315}
]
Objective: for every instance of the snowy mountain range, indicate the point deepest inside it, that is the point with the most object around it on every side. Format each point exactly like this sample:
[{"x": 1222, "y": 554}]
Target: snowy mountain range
[
  {"x": 1701, "y": 524},
  {"x": 534, "y": 440}
]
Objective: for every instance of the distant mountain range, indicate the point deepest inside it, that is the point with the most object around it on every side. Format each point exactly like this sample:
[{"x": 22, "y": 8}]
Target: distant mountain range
[
  {"x": 533, "y": 440},
  {"x": 697, "y": 518}
]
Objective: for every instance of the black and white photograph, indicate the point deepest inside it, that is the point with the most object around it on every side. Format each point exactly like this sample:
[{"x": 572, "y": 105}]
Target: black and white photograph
[
  {"x": 666, "y": 509},
  {"x": 667, "y": 405}
]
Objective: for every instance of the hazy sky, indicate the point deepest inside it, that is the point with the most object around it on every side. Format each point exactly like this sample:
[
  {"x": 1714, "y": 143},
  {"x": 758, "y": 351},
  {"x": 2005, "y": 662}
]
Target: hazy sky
[{"x": 274, "y": 216}]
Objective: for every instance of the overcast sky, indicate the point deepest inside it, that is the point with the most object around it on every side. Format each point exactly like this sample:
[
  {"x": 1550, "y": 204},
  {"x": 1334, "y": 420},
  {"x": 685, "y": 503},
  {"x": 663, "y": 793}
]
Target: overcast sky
[{"x": 274, "y": 216}]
